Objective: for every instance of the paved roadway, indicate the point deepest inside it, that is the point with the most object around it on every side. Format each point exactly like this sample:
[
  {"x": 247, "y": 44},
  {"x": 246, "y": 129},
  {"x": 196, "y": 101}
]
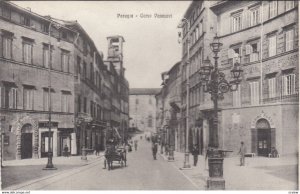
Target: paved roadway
[{"x": 142, "y": 173}]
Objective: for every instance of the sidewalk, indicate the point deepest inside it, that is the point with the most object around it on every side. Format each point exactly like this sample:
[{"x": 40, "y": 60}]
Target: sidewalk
[
  {"x": 15, "y": 172},
  {"x": 259, "y": 173}
]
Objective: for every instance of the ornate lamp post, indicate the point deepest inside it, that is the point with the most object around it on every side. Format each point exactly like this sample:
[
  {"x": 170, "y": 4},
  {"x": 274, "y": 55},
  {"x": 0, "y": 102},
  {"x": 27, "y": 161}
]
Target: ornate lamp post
[
  {"x": 49, "y": 165},
  {"x": 214, "y": 82},
  {"x": 186, "y": 164}
]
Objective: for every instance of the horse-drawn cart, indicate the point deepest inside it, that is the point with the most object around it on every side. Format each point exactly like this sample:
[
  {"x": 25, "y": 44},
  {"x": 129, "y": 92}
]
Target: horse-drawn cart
[{"x": 114, "y": 154}]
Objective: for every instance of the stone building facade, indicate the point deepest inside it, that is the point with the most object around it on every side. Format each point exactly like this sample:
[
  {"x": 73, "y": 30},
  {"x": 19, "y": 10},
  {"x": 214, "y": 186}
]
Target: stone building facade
[
  {"x": 142, "y": 108},
  {"x": 195, "y": 48},
  {"x": 171, "y": 130},
  {"x": 24, "y": 79},
  {"x": 82, "y": 86},
  {"x": 263, "y": 37}
]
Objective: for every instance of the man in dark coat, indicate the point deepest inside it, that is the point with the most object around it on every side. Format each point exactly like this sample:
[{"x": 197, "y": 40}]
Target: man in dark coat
[
  {"x": 242, "y": 153},
  {"x": 195, "y": 153},
  {"x": 154, "y": 149}
]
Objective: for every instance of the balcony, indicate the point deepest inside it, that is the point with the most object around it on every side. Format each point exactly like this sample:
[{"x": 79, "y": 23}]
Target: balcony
[{"x": 280, "y": 99}]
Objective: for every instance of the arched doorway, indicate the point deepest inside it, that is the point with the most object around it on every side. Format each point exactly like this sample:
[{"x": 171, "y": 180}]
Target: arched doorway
[
  {"x": 264, "y": 137},
  {"x": 26, "y": 141}
]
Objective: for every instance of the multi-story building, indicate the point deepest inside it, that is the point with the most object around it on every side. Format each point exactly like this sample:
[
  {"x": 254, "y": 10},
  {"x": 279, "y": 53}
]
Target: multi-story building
[
  {"x": 88, "y": 82},
  {"x": 25, "y": 59},
  {"x": 170, "y": 111},
  {"x": 87, "y": 96},
  {"x": 198, "y": 31},
  {"x": 142, "y": 108},
  {"x": 261, "y": 36},
  {"x": 264, "y": 112},
  {"x": 119, "y": 85}
]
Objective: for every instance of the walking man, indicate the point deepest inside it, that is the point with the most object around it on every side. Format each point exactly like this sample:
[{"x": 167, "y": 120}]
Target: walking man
[
  {"x": 195, "y": 153},
  {"x": 154, "y": 149},
  {"x": 135, "y": 144},
  {"x": 242, "y": 153}
]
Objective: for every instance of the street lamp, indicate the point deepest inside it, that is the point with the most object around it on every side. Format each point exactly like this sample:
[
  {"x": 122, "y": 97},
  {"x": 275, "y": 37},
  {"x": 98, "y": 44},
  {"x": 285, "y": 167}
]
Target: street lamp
[
  {"x": 49, "y": 165},
  {"x": 215, "y": 83},
  {"x": 186, "y": 164}
]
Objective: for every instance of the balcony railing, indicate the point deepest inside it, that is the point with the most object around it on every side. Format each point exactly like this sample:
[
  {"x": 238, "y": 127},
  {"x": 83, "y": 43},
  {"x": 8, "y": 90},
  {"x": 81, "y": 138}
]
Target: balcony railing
[{"x": 285, "y": 98}]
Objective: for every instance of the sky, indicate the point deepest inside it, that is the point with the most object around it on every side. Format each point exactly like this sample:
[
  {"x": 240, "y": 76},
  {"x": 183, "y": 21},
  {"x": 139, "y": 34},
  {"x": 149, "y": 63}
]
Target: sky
[{"x": 151, "y": 44}]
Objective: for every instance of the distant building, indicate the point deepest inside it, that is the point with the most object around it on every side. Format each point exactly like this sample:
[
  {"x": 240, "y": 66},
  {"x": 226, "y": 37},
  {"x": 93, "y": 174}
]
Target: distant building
[
  {"x": 119, "y": 85},
  {"x": 142, "y": 108},
  {"x": 169, "y": 109}
]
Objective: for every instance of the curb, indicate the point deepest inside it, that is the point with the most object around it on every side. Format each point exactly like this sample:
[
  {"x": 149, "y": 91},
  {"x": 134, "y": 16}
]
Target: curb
[{"x": 31, "y": 182}]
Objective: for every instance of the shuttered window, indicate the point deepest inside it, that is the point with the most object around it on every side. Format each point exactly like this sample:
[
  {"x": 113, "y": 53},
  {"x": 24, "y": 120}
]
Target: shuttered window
[
  {"x": 27, "y": 53},
  {"x": 7, "y": 47},
  {"x": 289, "y": 40},
  {"x": 272, "y": 9},
  {"x": 28, "y": 99},
  {"x": 254, "y": 92},
  {"x": 65, "y": 61},
  {"x": 236, "y": 22},
  {"x": 254, "y": 16},
  {"x": 272, "y": 45},
  {"x": 65, "y": 101},
  {"x": 288, "y": 84},
  {"x": 272, "y": 87},
  {"x": 289, "y": 5}
]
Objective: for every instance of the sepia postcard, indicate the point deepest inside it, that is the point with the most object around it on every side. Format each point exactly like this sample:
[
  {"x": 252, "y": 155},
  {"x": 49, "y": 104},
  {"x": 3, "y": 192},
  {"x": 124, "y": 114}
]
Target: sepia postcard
[{"x": 149, "y": 95}]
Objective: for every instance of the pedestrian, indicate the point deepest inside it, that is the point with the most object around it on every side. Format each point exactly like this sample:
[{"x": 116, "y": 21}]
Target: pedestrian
[
  {"x": 242, "y": 153},
  {"x": 97, "y": 149},
  {"x": 135, "y": 144},
  {"x": 195, "y": 153},
  {"x": 66, "y": 149},
  {"x": 154, "y": 149},
  {"x": 274, "y": 152}
]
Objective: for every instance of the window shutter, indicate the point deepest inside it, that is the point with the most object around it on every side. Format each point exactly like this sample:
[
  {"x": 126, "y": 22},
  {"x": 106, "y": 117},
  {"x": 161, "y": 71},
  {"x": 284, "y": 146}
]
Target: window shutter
[
  {"x": 1, "y": 97},
  {"x": 284, "y": 85},
  {"x": 16, "y": 98},
  {"x": 248, "y": 47},
  {"x": 293, "y": 83},
  {"x": 10, "y": 98},
  {"x": 245, "y": 19}
]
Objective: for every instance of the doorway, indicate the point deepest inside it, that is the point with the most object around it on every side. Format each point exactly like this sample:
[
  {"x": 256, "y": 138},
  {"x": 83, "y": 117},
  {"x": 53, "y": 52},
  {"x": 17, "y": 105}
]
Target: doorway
[
  {"x": 45, "y": 143},
  {"x": 26, "y": 145},
  {"x": 263, "y": 142},
  {"x": 26, "y": 141},
  {"x": 263, "y": 137}
]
